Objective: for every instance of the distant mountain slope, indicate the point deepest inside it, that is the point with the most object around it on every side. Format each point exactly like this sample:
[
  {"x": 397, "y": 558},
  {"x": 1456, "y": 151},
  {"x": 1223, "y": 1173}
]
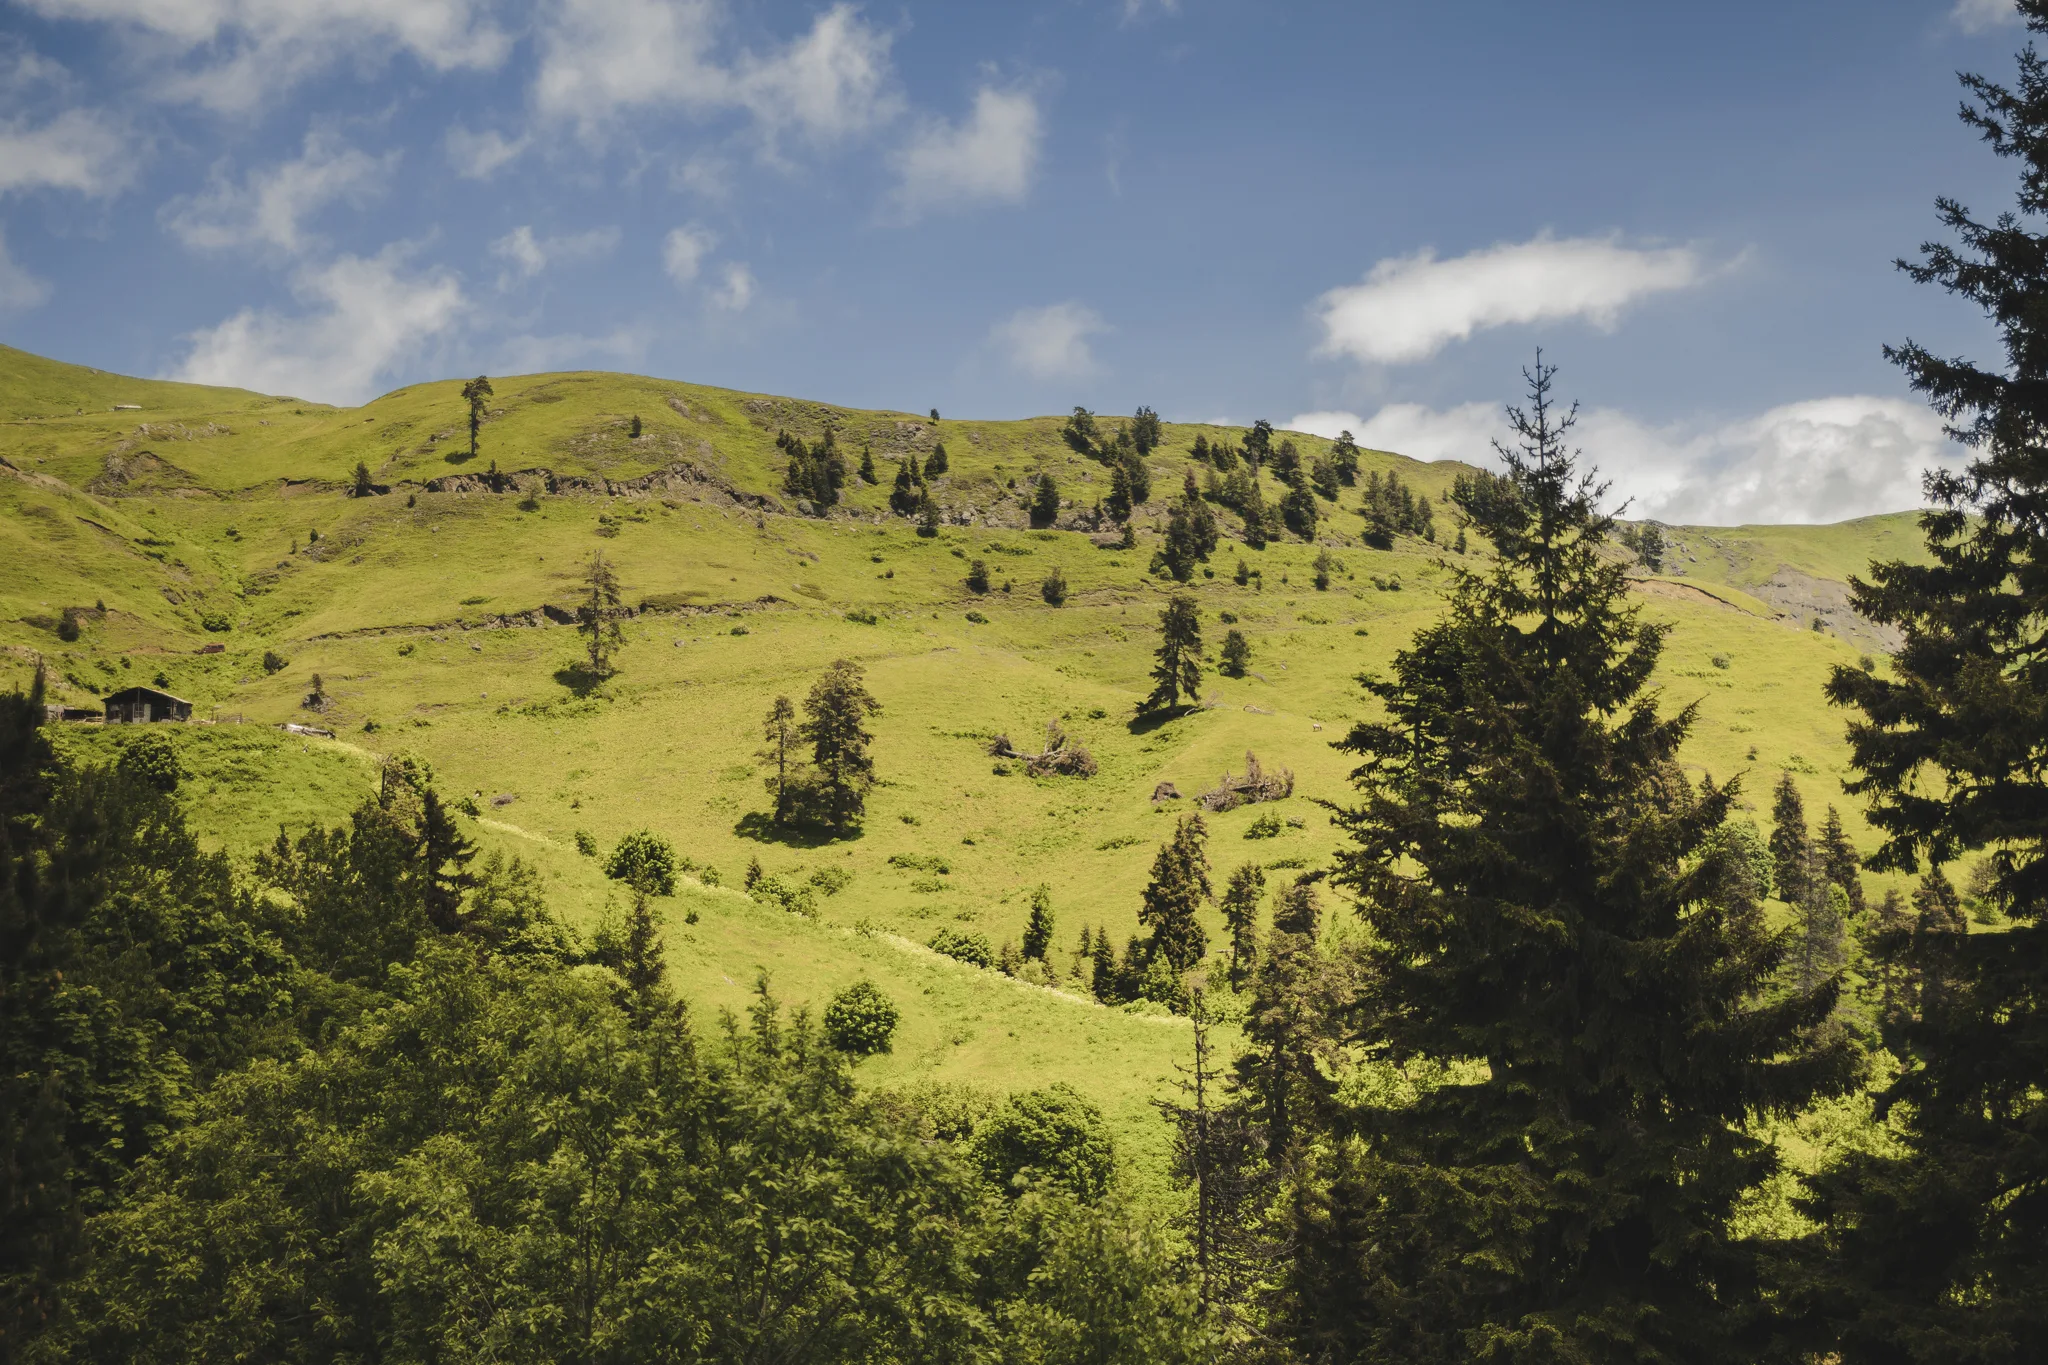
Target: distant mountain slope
[{"x": 213, "y": 519}]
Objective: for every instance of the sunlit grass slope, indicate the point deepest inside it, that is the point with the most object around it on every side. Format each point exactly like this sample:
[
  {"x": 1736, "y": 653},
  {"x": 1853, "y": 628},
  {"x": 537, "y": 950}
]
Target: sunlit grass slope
[{"x": 216, "y": 517}]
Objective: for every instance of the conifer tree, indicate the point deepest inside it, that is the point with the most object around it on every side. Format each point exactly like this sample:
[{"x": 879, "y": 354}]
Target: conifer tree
[
  {"x": 1344, "y": 455},
  {"x": 1119, "y": 502},
  {"x": 1039, "y": 928},
  {"x": 835, "y": 718},
  {"x": 444, "y": 857},
  {"x": 597, "y": 618},
  {"x": 867, "y": 466},
  {"x": 1145, "y": 431},
  {"x": 1045, "y": 501},
  {"x": 908, "y": 494},
  {"x": 642, "y": 959},
  {"x": 1103, "y": 978},
  {"x": 936, "y": 465},
  {"x": 362, "y": 487},
  {"x": 1177, "y": 891},
  {"x": 1236, "y": 656},
  {"x": 1545, "y": 907},
  {"x": 1240, "y": 905},
  {"x": 1791, "y": 846},
  {"x": 1177, "y": 674},
  {"x": 476, "y": 393},
  {"x": 784, "y": 781},
  {"x": 1934, "y": 1252},
  {"x": 1838, "y": 861}
]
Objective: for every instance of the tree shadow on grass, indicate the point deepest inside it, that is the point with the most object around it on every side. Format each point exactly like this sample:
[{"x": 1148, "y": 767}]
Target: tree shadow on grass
[
  {"x": 1145, "y": 722},
  {"x": 579, "y": 679},
  {"x": 760, "y": 826}
]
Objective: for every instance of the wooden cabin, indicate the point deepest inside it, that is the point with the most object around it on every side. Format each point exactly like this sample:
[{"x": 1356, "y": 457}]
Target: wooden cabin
[{"x": 134, "y": 705}]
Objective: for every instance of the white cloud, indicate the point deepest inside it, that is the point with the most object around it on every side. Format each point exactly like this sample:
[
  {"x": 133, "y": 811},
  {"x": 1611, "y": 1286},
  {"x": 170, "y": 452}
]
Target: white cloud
[
  {"x": 249, "y": 49},
  {"x": 79, "y": 149},
  {"x": 1051, "y": 342},
  {"x": 989, "y": 157},
  {"x": 19, "y": 290},
  {"x": 683, "y": 252},
  {"x": 1975, "y": 16},
  {"x": 528, "y": 255},
  {"x": 1410, "y": 307},
  {"x": 269, "y": 207},
  {"x": 604, "y": 58},
  {"x": 736, "y": 289},
  {"x": 534, "y": 354},
  {"x": 479, "y": 156},
  {"x": 1822, "y": 460},
  {"x": 366, "y": 319}
]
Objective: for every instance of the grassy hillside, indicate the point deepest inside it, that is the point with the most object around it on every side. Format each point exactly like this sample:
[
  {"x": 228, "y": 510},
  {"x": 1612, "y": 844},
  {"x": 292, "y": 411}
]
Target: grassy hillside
[{"x": 218, "y": 517}]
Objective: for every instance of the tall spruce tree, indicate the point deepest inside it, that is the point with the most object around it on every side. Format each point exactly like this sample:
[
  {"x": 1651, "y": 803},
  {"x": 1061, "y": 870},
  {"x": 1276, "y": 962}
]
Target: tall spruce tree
[
  {"x": 477, "y": 394},
  {"x": 1240, "y": 905},
  {"x": 1552, "y": 943},
  {"x": 1176, "y": 893},
  {"x": 1838, "y": 862},
  {"x": 597, "y": 617},
  {"x": 1038, "y": 929},
  {"x": 1177, "y": 670},
  {"x": 1045, "y": 501},
  {"x": 1940, "y": 1251},
  {"x": 1791, "y": 845},
  {"x": 835, "y": 726},
  {"x": 779, "y": 752}
]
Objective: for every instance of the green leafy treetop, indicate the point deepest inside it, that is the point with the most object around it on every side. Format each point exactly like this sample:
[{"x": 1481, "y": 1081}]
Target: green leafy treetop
[
  {"x": 476, "y": 393},
  {"x": 861, "y": 1020},
  {"x": 1550, "y": 937},
  {"x": 1055, "y": 1135},
  {"x": 1940, "y": 1251},
  {"x": 1177, "y": 674}
]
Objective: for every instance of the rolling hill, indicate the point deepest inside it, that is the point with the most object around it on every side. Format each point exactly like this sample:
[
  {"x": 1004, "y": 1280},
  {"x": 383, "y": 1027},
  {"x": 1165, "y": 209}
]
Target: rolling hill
[{"x": 156, "y": 522}]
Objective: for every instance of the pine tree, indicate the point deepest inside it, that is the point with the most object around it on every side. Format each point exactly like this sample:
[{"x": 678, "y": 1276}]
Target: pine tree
[
  {"x": 936, "y": 465},
  {"x": 1038, "y": 929},
  {"x": 1176, "y": 893},
  {"x": 867, "y": 466},
  {"x": 1791, "y": 847},
  {"x": 977, "y": 575},
  {"x": 1177, "y": 674},
  {"x": 597, "y": 618},
  {"x": 643, "y": 964},
  {"x": 1119, "y": 502},
  {"x": 1948, "y": 754},
  {"x": 784, "y": 781},
  {"x": 1045, "y": 501},
  {"x": 908, "y": 494},
  {"x": 1545, "y": 906},
  {"x": 1344, "y": 455},
  {"x": 1258, "y": 443},
  {"x": 1145, "y": 431},
  {"x": 1237, "y": 654},
  {"x": 1240, "y": 905},
  {"x": 835, "y": 717},
  {"x": 362, "y": 487},
  {"x": 476, "y": 393},
  {"x": 444, "y": 856},
  {"x": 1104, "y": 979},
  {"x": 1838, "y": 862}
]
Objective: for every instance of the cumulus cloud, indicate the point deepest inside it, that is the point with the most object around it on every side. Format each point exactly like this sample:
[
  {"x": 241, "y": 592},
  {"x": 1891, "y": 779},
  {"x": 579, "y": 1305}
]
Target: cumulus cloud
[
  {"x": 269, "y": 207},
  {"x": 479, "y": 156},
  {"x": 683, "y": 251},
  {"x": 735, "y": 289},
  {"x": 1975, "y": 16},
  {"x": 1821, "y": 460},
  {"x": 1410, "y": 307},
  {"x": 604, "y": 58},
  {"x": 988, "y": 158},
  {"x": 19, "y": 290},
  {"x": 1050, "y": 342},
  {"x": 527, "y": 254},
  {"x": 239, "y": 52},
  {"x": 365, "y": 319},
  {"x": 79, "y": 149}
]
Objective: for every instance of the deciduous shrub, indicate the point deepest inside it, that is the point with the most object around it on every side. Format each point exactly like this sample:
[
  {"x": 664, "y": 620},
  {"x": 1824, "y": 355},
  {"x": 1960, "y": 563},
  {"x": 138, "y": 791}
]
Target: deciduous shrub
[{"x": 860, "y": 1020}]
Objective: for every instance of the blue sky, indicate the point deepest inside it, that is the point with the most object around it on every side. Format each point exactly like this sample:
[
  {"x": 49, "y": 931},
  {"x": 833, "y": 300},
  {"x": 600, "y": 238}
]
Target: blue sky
[{"x": 1331, "y": 215}]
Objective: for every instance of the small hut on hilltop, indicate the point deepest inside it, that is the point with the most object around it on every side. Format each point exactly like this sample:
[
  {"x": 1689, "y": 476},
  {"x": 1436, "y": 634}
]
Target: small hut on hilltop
[{"x": 134, "y": 705}]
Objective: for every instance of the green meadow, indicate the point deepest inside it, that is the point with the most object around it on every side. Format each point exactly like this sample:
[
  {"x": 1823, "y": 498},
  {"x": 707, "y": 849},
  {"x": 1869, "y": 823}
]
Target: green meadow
[{"x": 205, "y": 517}]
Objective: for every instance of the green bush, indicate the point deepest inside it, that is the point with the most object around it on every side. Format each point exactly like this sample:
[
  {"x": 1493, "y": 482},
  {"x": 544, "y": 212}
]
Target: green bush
[
  {"x": 860, "y": 1020},
  {"x": 1265, "y": 827},
  {"x": 274, "y": 662},
  {"x": 972, "y": 949},
  {"x": 586, "y": 843},
  {"x": 1053, "y": 1135},
  {"x": 152, "y": 757},
  {"x": 645, "y": 861}
]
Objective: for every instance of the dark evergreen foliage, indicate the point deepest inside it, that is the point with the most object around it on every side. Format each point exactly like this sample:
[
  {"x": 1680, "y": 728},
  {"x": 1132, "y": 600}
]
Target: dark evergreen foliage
[
  {"x": 1081, "y": 432},
  {"x": 936, "y": 464},
  {"x": 816, "y": 473},
  {"x": 1236, "y": 655},
  {"x": 1240, "y": 905},
  {"x": 597, "y": 617},
  {"x": 1391, "y": 508},
  {"x": 1550, "y": 927},
  {"x": 1177, "y": 670},
  {"x": 1045, "y": 501},
  {"x": 908, "y": 493},
  {"x": 1175, "y": 895},
  {"x": 1940, "y": 1252},
  {"x": 835, "y": 720},
  {"x": 477, "y": 394},
  {"x": 1038, "y": 930},
  {"x": 1146, "y": 431}
]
